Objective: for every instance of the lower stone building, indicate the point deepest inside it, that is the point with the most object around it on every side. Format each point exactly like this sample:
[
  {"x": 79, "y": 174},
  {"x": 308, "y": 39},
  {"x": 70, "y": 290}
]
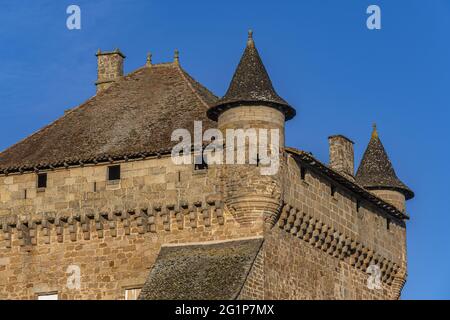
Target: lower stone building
[{"x": 93, "y": 206}]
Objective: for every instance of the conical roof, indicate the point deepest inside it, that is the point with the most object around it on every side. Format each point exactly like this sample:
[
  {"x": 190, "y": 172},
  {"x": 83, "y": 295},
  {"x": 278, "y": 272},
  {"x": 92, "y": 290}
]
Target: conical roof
[
  {"x": 251, "y": 85},
  {"x": 376, "y": 170}
]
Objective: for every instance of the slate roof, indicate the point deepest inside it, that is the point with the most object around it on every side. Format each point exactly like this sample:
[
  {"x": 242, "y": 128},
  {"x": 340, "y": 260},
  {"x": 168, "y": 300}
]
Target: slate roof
[
  {"x": 356, "y": 188},
  {"x": 201, "y": 272},
  {"x": 376, "y": 170},
  {"x": 251, "y": 85},
  {"x": 135, "y": 116}
]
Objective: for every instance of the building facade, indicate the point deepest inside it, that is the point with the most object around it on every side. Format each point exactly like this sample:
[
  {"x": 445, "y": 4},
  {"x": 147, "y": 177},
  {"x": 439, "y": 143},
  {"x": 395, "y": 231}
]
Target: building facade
[{"x": 93, "y": 207}]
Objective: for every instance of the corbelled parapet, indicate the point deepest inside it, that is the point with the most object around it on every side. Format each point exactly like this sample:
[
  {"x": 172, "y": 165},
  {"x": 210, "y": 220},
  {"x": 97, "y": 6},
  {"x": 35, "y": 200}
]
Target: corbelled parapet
[
  {"x": 338, "y": 244},
  {"x": 154, "y": 218}
]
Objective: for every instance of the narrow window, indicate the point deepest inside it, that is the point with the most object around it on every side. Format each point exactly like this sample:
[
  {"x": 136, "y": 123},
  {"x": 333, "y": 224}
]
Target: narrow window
[
  {"x": 388, "y": 224},
  {"x": 48, "y": 296},
  {"x": 114, "y": 173},
  {"x": 132, "y": 294},
  {"x": 95, "y": 186},
  {"x": 42, "y": 180},
  {"x": 302, "y": 172},
  {"x": 200, "y": 163},
  {"x": 333, "y": 190},
  {"x": 25, "y": 193},
  {"x": 358, "y": 205}
]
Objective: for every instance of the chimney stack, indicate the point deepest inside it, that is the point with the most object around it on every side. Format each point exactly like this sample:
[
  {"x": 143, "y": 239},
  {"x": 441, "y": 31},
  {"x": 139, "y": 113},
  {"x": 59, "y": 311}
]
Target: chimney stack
[
  {"x": 342, "y": 155},
  {"x": 109, "y": 68}
]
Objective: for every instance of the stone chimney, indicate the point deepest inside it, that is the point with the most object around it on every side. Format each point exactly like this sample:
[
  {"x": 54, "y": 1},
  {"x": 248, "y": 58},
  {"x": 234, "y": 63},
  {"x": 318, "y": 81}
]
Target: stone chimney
[
  {"x": 342, "y": 156},
  {"x": 109, "y": 68}
]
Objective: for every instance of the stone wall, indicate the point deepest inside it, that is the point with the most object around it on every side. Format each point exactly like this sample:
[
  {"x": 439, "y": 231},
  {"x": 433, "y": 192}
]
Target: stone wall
[
  {"x": 111, "y": 231},
  {"x": 323, "y": 244},
  {"x": 319, "y": 245}
]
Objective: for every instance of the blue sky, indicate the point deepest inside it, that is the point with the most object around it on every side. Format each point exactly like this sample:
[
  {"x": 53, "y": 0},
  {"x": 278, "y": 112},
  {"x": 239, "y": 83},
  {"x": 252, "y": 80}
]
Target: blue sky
[{"x": 340, "y": 76}]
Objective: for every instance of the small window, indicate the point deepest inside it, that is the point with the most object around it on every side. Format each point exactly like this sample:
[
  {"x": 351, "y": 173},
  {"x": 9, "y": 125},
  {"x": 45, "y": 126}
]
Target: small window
[
  {"x": 48, "y": 296},
  {"x": 25, "y": 193},
  {"x": 388, "y": 224},
  {"x": 132, "y": 294},
  {"x": 200, "y": 163},
  {"x": 358, "y": 205},
  {"x": 333, "y": 190},
  {"x": 302, "y": 173},
  {"x": 42, "y": 180},
  {"x": 114, "y": 173}
]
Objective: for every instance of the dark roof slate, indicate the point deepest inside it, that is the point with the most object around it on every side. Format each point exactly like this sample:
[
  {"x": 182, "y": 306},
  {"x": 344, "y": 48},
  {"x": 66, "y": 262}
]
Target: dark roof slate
[
  {"x": 376, "y": 170},
  {"x": 201, "y": 272},
  {"x": 251, "y": 84},
  {"x": 136, "y": 114}
]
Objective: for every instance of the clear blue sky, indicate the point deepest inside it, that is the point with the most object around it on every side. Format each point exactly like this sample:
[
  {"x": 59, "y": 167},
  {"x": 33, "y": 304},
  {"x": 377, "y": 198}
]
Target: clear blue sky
[{"x": 340, "y": 76}]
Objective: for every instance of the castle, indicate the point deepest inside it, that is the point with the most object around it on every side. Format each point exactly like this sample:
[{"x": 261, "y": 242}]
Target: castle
[{"x": 93, "y": 207}]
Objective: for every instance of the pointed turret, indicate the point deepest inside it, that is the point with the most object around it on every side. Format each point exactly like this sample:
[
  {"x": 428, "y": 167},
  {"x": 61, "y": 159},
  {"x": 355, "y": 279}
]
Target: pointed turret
[
  {"x": 251, "y": 85},
  {"x": 377, "y": 174}
]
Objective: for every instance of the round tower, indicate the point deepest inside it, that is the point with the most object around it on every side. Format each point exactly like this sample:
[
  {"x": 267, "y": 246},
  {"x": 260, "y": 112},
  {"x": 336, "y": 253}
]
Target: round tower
[
  {"x": 377, "y": 174},
  {"x": 252, "y": 111}
]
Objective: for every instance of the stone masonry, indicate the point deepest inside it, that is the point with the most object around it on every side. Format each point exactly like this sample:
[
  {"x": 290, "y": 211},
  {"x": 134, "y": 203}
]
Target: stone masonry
[{"x": 310, "y": 231}]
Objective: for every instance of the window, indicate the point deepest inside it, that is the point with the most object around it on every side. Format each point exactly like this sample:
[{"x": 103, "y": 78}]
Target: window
[
  {"x": 358, "y": 205},
  {"x": 333, "y": 190},
  {"x": 48, "y": 296},
  {"x": 200, "y": 163},
  {"x": 42, "y": 180},
  {"x": 302, "y": 172},
  {"x": 388, "y": 224},
  {"x": 114, "y": 173},
  {"x": 132, "y": 294}
]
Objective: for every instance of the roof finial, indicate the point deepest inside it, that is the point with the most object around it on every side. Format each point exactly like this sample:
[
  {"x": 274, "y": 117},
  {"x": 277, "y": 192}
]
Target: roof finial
[
  {"x": 149, "y": 59},
  {"x": 176, "y": 56},
  {"x": 374, "y": 131},
  {"x": 250, "y": 38}
]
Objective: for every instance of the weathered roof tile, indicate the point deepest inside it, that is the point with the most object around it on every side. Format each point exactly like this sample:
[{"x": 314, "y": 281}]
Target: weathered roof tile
[
  {"x": 136, "y": 114},
  {"x": 376, "y": 170}
]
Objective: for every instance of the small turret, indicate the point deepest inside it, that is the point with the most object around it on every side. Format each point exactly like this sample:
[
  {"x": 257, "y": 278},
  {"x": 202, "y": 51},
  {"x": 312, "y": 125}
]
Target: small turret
[
  {"x": 251, "y": 103},
  {"x": 377, "y": 174}
]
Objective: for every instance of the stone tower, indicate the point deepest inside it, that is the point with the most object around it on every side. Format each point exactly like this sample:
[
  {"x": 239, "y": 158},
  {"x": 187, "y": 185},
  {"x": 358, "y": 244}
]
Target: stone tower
[{"x": 251, "y": 104}]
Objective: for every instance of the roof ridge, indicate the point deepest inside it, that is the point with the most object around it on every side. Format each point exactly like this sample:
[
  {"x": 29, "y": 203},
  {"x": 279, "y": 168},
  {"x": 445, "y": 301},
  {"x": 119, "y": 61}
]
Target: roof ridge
[{"x": 183, "y": 75}]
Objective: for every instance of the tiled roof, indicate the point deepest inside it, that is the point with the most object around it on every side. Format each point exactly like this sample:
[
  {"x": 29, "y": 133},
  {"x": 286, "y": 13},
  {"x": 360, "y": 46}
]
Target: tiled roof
[
  {"x": 201, "y": 272},
  {"x": 251, "y": 85},
  {"x": 376, "y": 170},
  {"x": 136, "y": 115}
]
